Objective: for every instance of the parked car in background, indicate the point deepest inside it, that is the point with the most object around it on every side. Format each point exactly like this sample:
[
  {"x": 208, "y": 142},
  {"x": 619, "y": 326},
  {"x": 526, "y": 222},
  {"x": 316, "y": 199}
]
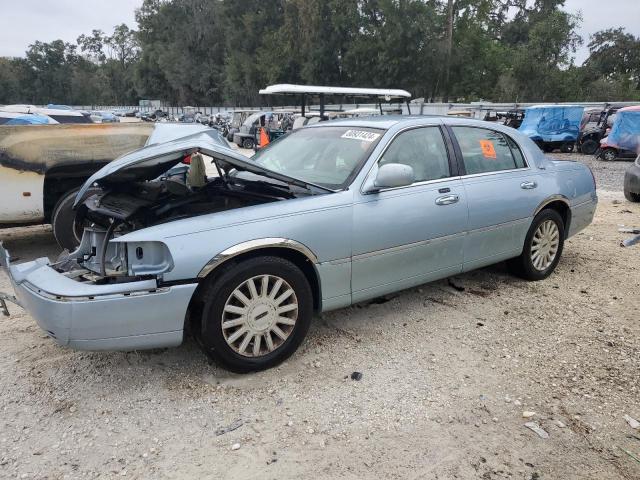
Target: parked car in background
[
  {"x": 552, "y": 127},
  {"x": 632, "y": 182},
  {"x": 623, "y": 140},
  {"x": 310, "y": 223},
  {"x": 42, "y": 167},
  {"x": 103, "y": 116},
  {"x": 56, "y": 115},
  {"x": 13, "y": 118}
]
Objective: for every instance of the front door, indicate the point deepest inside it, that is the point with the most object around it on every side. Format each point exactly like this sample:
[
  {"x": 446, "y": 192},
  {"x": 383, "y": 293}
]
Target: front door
[{"x": 410, "y": 235}]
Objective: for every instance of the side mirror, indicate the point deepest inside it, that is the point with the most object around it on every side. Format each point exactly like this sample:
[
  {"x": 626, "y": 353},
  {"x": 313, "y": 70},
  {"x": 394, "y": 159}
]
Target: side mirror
[{"x": 394, "y": 175}]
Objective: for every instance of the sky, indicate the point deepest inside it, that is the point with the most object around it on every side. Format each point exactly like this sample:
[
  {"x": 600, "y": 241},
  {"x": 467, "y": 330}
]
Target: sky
[{"x": 22, "y": 22}]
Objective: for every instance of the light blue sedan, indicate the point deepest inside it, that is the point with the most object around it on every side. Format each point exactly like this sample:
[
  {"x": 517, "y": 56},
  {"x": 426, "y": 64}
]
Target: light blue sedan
[{"x": 327, "y": 216}]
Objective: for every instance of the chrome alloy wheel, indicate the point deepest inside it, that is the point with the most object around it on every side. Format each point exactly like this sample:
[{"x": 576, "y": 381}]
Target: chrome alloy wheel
[
  {"x": 259, "y": 315},
  {"x": 544, "y": 245}
]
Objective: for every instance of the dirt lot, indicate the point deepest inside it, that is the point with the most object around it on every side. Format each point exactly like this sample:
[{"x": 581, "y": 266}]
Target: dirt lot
[{"x": 446, "y": 376}]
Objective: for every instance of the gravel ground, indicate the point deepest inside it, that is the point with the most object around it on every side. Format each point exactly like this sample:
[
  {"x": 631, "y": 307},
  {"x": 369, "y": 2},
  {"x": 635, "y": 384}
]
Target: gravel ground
[
  {"x": 609, "y": 175},
  {"x": 448, "y": 369}
]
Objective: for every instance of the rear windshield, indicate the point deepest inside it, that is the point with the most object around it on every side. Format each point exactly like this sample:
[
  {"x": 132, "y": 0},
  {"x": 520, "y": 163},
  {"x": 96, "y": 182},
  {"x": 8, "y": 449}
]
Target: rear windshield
[{"x": 325, "y": 156}]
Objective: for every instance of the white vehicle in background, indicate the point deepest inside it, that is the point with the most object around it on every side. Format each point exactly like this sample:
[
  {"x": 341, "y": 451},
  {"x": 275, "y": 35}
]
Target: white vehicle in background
[{"x": 43, "y": 166}]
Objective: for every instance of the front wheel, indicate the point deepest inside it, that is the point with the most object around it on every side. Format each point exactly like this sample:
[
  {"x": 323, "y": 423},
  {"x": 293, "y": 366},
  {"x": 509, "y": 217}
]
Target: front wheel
[
  {"x": 247, "y": 143},
  {"x": 255, "y": 314},
  {"x": 542, "y": 247},
  {"x": 589, "y": 147}
]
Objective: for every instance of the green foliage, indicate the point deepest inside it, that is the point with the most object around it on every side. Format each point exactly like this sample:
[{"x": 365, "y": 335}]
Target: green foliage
[{"x": 213, "y": 51}]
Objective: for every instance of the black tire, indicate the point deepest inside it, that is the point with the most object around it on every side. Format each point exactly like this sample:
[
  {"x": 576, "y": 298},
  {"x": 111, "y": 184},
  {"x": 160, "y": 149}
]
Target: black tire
[
  {"x": 209, "y": 332},
  {"x": 66, "y": 230},
  {"x": 609, "y": 155},
  {"x": 567, "y": 147},
  {"x": 247, "y": 143},
  {"x": 523, "y": 266},
  {"x": 632, "y": 197},
  {"x": 589, "y": 147},
  {"x": 547, "y": 148}
]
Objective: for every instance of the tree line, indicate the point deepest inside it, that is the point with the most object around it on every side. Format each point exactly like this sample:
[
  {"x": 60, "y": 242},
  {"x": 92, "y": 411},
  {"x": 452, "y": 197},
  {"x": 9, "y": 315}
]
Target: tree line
[{"x": 203, "y": 52}]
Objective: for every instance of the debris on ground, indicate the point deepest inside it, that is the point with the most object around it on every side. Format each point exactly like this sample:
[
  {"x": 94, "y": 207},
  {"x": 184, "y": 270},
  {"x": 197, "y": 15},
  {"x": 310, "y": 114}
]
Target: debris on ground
[
  {"x": 357, "y": 376},
  {"x": 533, "y": 426},
  {"x": 633, "y": 423},
  {"x": 229, "y": 428},
  {"x": 235, "y": 446}
]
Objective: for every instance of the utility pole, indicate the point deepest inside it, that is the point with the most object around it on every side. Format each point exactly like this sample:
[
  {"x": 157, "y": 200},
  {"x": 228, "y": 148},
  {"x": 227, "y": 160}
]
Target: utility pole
[{"x": 448, "y": 50}]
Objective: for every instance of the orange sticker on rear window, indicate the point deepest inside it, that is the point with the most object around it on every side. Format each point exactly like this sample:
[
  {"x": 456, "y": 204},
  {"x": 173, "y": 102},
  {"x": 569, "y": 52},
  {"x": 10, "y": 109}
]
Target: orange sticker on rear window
[{"x": 488, "y": 150}]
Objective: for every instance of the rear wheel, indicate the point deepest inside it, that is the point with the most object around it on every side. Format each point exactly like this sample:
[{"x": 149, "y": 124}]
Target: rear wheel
[
  {"x": 255, "y": 314},
  {"x": 542, "y": 247},
  {"x": 609, "y": 154},
  {"x": 567, "y": 147},
  {"x": 247, "y": 143},
  {"x": 589, "y": 147}
]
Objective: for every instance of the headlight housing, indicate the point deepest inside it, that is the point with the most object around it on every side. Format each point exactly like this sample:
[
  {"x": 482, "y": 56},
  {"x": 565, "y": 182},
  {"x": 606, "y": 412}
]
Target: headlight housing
[{"x": 147, "y": 258}]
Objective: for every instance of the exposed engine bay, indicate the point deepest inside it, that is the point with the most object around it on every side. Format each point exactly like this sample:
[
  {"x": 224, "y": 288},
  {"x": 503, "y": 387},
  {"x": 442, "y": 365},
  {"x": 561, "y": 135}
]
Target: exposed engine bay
[{"x": 113, "y": 209}]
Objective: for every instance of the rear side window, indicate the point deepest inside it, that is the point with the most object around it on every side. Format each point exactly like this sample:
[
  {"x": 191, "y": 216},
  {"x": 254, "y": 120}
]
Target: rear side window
[
  {"x": 423, "y": 149},
  {"x": 486, "y": 151}
]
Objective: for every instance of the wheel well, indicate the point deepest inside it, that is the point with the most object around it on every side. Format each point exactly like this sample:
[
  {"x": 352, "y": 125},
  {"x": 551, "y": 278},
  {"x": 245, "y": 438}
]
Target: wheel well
[
  {"x": 565, "y": 212},
  {"x": 297, "y": 258},
  {"x": 60, "y": 180}
]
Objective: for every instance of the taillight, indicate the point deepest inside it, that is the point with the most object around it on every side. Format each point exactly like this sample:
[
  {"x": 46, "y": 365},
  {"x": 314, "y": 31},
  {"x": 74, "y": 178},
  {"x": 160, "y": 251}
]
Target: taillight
[{"x": 187, "y": 160}]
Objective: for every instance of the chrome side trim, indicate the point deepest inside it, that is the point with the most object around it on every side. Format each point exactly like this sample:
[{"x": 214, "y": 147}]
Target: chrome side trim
[
  {"x": 495, "y": 172},
  {"x": 399, "y": 248},
  {"x": 548, "y": 200},
  {"x": 66, "y": 298},
  {"x": 255, "y": 245}
]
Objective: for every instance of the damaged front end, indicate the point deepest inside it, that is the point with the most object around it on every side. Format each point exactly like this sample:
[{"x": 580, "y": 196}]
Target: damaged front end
[{"x": 110, "y": 292}]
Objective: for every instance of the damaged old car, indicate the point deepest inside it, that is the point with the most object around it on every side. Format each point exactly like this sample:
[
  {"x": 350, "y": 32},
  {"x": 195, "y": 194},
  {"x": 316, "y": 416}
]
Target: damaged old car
[{"x": 327, "y": 216}]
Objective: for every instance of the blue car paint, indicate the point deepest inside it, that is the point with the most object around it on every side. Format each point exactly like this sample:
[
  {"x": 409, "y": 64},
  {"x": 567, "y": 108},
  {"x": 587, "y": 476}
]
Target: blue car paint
[{"x": 362, "y": 244}]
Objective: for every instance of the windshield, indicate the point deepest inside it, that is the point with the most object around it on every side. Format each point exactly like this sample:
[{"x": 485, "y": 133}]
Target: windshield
[{"x": 325, "y": 156}]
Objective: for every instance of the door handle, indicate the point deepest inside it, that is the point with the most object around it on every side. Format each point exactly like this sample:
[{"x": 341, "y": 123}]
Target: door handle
[
  {"x": 528, "y": 185},
  {"x": 447, "y": 199}
]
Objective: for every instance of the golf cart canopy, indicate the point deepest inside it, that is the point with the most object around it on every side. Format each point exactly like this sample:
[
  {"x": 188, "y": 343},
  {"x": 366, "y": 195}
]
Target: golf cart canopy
[
  {"x": 287, "y": 89},
  {"x": 625, "y": 132},
  {"x": 377, "y": 94}
]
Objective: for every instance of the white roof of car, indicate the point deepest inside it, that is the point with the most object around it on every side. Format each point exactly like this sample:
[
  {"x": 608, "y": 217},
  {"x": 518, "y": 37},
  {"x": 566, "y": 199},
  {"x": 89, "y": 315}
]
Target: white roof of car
[
  {"x": 20, "y": 108},
  {"x": 288, "y": 89}
]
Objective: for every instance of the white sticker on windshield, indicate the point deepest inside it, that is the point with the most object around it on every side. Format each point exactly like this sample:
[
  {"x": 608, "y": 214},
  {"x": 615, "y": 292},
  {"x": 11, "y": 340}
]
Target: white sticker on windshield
[{"x": 361, "y": 135}]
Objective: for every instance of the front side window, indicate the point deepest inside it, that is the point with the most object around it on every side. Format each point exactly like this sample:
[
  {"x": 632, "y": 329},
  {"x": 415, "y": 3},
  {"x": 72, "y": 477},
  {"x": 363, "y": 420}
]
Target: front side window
[
  {"x": 325, "y": 156},
  {"x": 486, "y": 151},
  {"x": 423, "y": 149}
]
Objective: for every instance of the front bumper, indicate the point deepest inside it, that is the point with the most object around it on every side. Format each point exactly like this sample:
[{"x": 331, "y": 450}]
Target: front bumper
[{"x": 126, "y": 316}]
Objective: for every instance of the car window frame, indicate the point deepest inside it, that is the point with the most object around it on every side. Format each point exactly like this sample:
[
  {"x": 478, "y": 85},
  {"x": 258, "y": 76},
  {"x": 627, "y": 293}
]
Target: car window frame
[
  {"x": 460, "y": 159},
  {"x": 454, "y": 172}
]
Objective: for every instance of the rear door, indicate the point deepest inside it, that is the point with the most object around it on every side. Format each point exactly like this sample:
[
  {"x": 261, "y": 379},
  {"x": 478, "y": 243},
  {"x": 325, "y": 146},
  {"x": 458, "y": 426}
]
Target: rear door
[{"x": 502, "y": 192}]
